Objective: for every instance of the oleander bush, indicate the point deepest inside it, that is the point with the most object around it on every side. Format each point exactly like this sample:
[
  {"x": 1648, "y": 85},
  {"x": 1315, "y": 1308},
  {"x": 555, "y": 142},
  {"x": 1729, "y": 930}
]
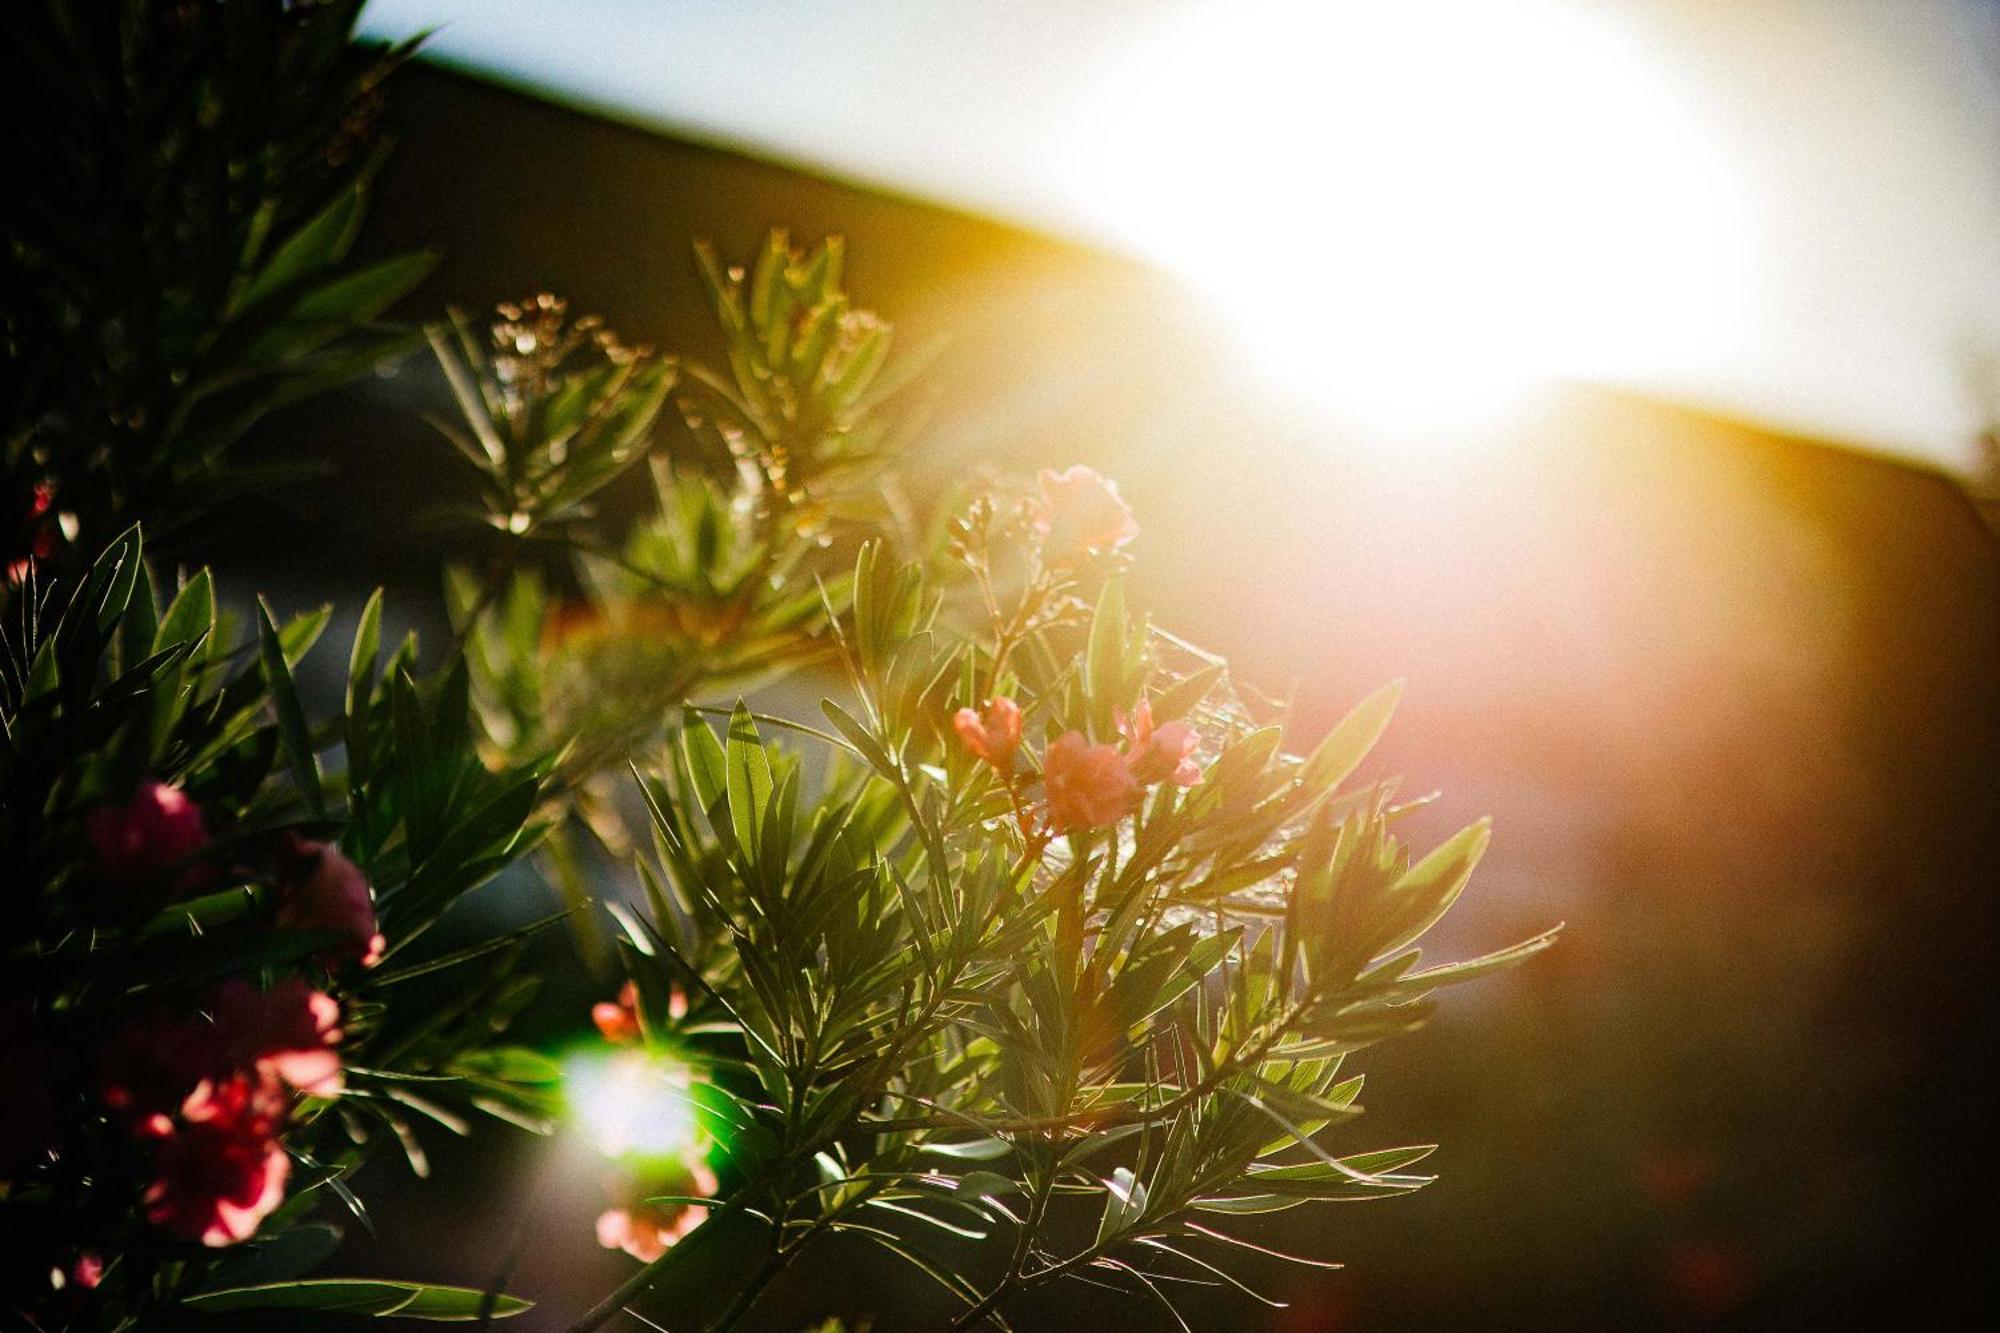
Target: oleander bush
[{"x": 1038, "y": 952}]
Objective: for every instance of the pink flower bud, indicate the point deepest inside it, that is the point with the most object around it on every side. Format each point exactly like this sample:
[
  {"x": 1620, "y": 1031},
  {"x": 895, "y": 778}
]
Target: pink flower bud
[
  {"x": 1156, "y": 754},
  {"x": 1086, "y": 786},
  {"x": 325, "y": 891},
  {"x": 149, "y": 835},
  {"x": 993, "y": 734},
  {"x": 618, "y": 1020}
]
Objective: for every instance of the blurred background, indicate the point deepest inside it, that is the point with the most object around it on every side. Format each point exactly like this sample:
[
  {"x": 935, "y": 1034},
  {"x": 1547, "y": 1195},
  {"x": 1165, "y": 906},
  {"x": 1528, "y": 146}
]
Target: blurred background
[{"x": 1609, "y": 372}]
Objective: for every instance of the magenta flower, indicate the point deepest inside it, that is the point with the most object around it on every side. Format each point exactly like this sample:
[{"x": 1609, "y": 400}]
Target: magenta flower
[
  {"x": 151, "y": 1067},
  {"x": 158, "y": 829},
  {"x": 993, "y": 733},
  {"x": 1080, "y": 510},
  {"x": 327, "y": 892},
  {"x": 222, "y": 1170},
  {"x": 1086, "y": 786},
  {"x": 1156, "y": 754},
  {"x": 286, "y": 1033},
  {"x": 284, "y": 1036}
]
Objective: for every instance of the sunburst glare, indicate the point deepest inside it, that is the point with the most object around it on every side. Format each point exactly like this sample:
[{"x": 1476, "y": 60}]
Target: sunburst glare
[{"x": 1414, "y": 212}]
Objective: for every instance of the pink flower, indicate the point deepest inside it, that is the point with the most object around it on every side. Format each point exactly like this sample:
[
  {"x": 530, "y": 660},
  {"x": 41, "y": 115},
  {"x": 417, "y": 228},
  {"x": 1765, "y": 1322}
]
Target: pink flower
[
  {"x": 1087, "y": 786},
  {"x": 648, "y": 1230},
  {"x": 1156, "y": 754},
  {"x": 86, "y": 1272},
  {"x": 222, "y": 1170},
  {"x": 1080, "y": 510},
  {"x": 286, "y": 1033},
  {"x": 152, "y": 1066},
  {"x": 327, "y": 892},
  {"x": 158, "y": 829},
  {"x": 214, "y": 1092},
  {"x": 618, "y": 1020},
  {"x": 281, "y": 1036},
  {"x": 993, "y": 734}
]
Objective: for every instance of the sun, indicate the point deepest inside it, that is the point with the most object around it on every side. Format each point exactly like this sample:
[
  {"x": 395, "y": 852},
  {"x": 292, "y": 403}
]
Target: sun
[{"x": 1414, "y": 212}]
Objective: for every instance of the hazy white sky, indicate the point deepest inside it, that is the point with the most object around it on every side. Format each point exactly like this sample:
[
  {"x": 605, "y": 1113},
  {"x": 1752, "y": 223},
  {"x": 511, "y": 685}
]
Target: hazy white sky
[{"x": 1838, "y": 160}]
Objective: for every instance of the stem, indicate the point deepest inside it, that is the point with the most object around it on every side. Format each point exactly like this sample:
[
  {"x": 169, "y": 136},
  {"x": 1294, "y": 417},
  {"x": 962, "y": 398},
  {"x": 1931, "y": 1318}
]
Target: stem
[
  {"x": 1024, "y": 1241},
  {"x": 988, "y": 1303},
  {"x": 774, "y": 1264},
  {"x": 1014, "y": 1284}
]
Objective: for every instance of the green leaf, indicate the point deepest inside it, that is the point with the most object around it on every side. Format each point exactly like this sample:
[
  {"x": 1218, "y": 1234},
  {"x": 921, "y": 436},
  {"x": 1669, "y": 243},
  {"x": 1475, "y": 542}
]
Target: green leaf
[
  {"x": 279, "y": 1258},
  {"x": 119, "y": 569},
  {"x": 707, "y": 764},
  {"x": 1427, "y": 891},
  {"x": 330, "y": 309},
  {"x": 1180, "y": 698},
  {"x": 292, "y": 728},
  {"x": 859, "y": 737},
  {"x": 321, "y": 241},
  {"x": 973, "y": 1150},
  {"x": 361, "y": 660},
  {"x": 509, "y": 1064},
  {"x": 362, "y": 657},
  {"x": 1104, "y": 657},
  {"x": 1124, "y": 1204},
  {"x": 1349, "y": 742},
  {"x": 363, "y": 1296},
  {"x": 366, "y": 292},
  {"x": 749, "y": 779},
  {"x": 44, "y": 674},
  {"x": 1450, "y": 974},
  {"x": 297, "y": 635},
  {"x": 191, "y": 616}
]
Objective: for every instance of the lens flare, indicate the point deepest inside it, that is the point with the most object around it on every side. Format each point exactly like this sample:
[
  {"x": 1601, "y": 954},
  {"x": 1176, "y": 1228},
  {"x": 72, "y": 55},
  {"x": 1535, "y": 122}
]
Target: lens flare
[{"x": 631, "y": 1103}]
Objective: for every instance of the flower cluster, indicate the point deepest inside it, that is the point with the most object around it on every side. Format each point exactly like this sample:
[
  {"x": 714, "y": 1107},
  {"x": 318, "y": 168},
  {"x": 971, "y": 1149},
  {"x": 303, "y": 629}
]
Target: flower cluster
[
  {"x": 915, "y": 1003},
  {"x": 647, "y": 1228},
  {"x": 213, "y": 1092},
  {"x": 1084, "y": 784},
  {"x": 191, "y": 1015}
]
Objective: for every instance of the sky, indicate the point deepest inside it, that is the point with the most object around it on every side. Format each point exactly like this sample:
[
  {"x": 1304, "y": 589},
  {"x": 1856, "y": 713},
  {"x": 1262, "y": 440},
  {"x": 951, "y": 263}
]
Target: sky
[{"x": 1784, "y": 210}]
